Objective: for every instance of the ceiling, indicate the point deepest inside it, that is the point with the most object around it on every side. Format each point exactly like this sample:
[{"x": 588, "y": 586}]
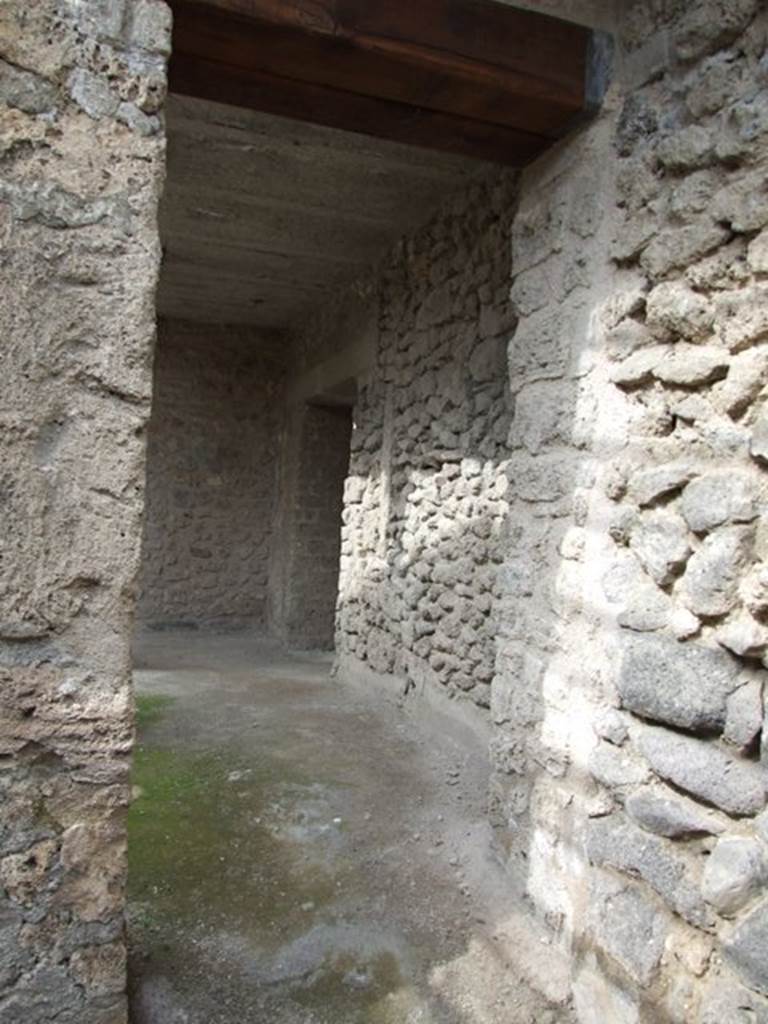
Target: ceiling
[{"x": 262, "y": 216}]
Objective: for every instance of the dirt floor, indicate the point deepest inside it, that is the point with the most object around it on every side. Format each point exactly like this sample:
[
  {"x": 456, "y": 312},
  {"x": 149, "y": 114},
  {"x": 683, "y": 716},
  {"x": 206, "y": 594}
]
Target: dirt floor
[{"x": 303, "y": 853}]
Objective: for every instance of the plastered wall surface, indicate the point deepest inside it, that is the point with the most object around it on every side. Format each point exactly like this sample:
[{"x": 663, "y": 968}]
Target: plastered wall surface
[
  {"x": 81, "y": 165},
  {"x": 213, "y": 446}
]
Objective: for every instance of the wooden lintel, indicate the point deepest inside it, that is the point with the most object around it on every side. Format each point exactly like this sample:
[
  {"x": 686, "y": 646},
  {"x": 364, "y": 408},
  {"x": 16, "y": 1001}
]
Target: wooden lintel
[{"x": 477, "y": 78}]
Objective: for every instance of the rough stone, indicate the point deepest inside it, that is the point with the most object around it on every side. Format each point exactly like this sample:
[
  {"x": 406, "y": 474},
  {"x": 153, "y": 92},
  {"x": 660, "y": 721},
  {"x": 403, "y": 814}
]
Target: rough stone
[
  {"x": 610, "y": 724},
  {"x": 672, "y": 308},
  {"x": 93, "y": 94},
  {"x": 757, "y": 253},
  {"x": 743, "y": 316},
  {"x": 25, "y": 90},
  {"x": 666, "y": 813},
  {"x": 702, "y": 769},
  {"x": 735, "y": 872},
  {"x": 150, "y": 26},
  {"x": 710, "y": 26},
  {"x": 660, "y": 541},
  {"x": 642, "y": 605},
  {"x": 691, "y": 365},
  {"x": 637, "y": 121},
  {"x": 758, "y": 445},
  {"x": 686, "y": 149},
  {"x": 745, "y": 947},
  {"x": 724, "y": 999},
  {"x": 615, "y": 768},
  {"x": 718, "y": 497},
  {"x": 683, "y": 623},
  {"x": 627, "y": 848},
  {"x": 744, "y": 636},
  {"x": 637, "y": 368},
  {"x": 754, "y": 591},
  {"x": 686, "y": 685},
  {"x": 744, "y": 715},
  {"x": 629, "y": 926},
  {"x": 676, "y": 248},
  {"x": 647, "y": 486},
  {"x": 745, "y": 380},
  {"x": 712, "y": 576},
  {"x": 622, "y": 341}
]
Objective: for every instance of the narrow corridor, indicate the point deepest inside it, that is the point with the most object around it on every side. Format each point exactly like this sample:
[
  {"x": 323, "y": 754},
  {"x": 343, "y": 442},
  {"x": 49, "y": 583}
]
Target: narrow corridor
[{"x": 302, "y": 852}]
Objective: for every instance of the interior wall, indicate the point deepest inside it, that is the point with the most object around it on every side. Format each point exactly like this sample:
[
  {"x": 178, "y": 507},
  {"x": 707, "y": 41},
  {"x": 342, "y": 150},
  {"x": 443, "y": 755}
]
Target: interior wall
[
  {"x": 425, "y": 508},
  {"x": 81, "y": 172},
  {"x": 630, "y": 756},
  {"x": 305, "y": 559},
  {"x": 625, "y": 622},
  {"x": 214, "y": 436}
]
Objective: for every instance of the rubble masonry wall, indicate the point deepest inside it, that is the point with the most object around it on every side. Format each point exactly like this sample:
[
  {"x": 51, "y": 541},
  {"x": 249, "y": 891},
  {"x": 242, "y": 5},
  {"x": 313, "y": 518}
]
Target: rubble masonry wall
[
  {"x": 81, "y": 166},
  {"x": 213, "y": 446}
]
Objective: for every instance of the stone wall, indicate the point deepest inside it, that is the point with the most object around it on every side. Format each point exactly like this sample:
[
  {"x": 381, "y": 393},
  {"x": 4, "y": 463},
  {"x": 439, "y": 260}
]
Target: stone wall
[
  {"x": 305, "y": 559},
  {"x": 212, "y": 454},
  {"x": 81, "y": 162},
  {"x": 425, "y": 503},
  {"x": 595, "y": 568},
  {"x": 630, "y": 767}
]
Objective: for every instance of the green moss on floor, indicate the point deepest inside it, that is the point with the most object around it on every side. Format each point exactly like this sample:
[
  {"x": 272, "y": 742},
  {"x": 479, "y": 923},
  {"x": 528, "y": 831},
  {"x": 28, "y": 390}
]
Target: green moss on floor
[
  {"x": 198, "y": 848},
  {"x": 221, "y": 844},
  {"x": 150, "y": 708}
]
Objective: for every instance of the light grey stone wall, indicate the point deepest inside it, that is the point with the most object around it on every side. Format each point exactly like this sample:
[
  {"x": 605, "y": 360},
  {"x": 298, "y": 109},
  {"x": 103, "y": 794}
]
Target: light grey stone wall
[
  {"x": 630, "y": 766},
  {"x": 81, "y": 158},
  {"x": 214, "y": 436},
  {"x": 425, "y": 499}
]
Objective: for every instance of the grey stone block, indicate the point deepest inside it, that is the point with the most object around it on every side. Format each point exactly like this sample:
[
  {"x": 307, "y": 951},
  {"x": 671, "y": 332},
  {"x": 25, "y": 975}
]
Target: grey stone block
[
  {"x": 649, "y": 485},
  {"x": 660, "y": 540},
  {"x": 679, "y": 684},
  {"x": 614, "y": 767},
  {"x": 723, "y": 496},
  {"x": 25, "y": 90},
  {"x": 611, "y": 842},
  {"x": 735, "y": 872},
  {"x": 702, "y": 769},
  {"x": 744, "y": 714},
  {"x": 711, "y": 580},
  {"x": 629, "y": 925},
  {"x": 669, "y": 814},
  {"x": 746, "y": 949},
  {"x": 725, "y": 1001}
]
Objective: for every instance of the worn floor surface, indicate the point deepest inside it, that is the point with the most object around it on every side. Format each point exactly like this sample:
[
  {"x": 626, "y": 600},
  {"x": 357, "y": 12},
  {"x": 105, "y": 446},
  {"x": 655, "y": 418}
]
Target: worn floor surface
[{"x": 300, "y": 853}]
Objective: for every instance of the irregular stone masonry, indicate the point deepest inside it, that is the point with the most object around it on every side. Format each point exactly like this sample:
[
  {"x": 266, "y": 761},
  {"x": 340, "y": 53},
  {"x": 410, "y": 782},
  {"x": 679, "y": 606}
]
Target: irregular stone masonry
[
  {"x": 211, "y": 468},
  {"x": 617, "y": 601},
  {"x": 549, "y": 497},
  {"x": 81, "y": 158},
  {"x": 425, "y": 499},
  {"x": 633, "y": 642}
]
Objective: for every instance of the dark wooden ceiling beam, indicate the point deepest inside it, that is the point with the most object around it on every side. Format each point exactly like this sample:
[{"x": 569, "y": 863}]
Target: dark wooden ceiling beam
[{"x": 476, "y": 78}]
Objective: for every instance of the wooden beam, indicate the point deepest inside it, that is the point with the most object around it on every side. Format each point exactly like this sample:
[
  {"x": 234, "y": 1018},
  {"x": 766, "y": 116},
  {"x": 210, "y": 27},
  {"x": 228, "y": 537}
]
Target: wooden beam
[
  {"x": 222, "y": 83},
  {"x": 478, "y": 78}
]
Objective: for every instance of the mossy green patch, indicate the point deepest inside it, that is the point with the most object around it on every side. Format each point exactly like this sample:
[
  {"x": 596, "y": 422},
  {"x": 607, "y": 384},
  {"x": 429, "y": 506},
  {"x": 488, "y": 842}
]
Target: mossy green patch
[
  {"x": 199, "y": 848},
  {"x": 150, "y": 708}
]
